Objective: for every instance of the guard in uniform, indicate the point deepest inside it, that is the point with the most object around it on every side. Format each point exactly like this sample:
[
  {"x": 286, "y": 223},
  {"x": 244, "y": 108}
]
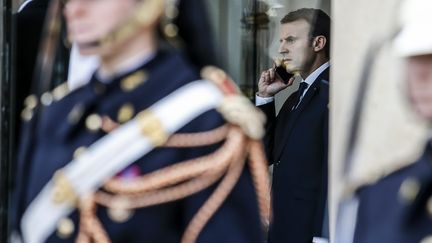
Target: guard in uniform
[
  {"x": 397, "y": 208},
  {"x": 147, "y": 151}
]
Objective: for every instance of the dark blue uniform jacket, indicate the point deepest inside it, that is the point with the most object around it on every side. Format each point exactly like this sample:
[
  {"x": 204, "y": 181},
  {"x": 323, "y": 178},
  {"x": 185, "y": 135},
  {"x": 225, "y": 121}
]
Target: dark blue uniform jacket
[{"x": 48, "y": 145}]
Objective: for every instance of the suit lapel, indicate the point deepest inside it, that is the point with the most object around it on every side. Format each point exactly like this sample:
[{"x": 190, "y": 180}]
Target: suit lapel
[{"x": 286, "y": 125}]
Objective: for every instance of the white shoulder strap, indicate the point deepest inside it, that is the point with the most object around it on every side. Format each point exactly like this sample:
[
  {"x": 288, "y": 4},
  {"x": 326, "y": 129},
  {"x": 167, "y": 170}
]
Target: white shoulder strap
[{"x": 116, "y": 151}]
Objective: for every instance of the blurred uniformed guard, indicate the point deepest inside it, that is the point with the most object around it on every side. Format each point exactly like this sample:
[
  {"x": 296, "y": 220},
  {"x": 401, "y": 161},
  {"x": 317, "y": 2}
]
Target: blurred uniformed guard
[
  {"x": 398, "y": 207},
  {"x": 145, "y": 152}
]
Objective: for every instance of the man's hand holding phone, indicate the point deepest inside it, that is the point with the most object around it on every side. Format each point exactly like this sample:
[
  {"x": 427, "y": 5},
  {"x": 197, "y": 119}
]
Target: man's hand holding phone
[{"x": 273, "y": 80}]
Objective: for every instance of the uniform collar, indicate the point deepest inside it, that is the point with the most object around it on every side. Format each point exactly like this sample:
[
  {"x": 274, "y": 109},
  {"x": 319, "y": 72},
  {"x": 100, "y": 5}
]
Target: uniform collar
[{"x": 124, "y": 70}]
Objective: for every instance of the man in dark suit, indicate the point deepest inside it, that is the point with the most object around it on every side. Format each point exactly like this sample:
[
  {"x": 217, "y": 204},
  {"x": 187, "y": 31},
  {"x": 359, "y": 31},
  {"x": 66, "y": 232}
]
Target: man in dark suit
[{"x": 297, "y": 138}]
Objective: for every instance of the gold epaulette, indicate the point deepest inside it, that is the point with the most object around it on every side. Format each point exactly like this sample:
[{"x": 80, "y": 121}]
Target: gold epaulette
[{"x": 235, "y": 107}]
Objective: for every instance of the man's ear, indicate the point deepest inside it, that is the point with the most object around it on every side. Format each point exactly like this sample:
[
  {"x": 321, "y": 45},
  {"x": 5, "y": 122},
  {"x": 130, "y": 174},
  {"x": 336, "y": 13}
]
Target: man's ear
[{"x": 319, "y": 43}]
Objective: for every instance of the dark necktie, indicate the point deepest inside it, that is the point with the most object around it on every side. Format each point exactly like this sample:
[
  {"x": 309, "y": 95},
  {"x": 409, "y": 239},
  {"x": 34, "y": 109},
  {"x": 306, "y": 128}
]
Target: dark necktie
[{"x": 302, "y": 87}]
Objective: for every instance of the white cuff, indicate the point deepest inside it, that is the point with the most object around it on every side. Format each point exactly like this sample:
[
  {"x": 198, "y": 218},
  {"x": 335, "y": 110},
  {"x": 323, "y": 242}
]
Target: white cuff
[
  {"x": 262, "y": 100},
  {"x": 320, "y": 240}
]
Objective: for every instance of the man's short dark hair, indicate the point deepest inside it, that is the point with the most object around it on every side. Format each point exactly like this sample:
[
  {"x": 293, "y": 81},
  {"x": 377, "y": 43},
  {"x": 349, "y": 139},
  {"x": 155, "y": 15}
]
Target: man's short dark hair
[{"x": 317, "y": 19}]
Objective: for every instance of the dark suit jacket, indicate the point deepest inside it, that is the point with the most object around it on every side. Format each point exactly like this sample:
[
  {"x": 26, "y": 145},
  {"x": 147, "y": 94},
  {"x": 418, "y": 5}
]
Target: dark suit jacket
[{"x": 296, "y": 143}]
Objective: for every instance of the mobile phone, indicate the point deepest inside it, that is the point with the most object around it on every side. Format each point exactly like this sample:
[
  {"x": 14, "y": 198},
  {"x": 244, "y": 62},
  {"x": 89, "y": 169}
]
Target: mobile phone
[{"x": 282, "y": 74}]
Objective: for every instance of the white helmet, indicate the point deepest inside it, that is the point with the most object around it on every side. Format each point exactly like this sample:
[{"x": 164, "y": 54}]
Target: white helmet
[{"x": 415, "y": 37}]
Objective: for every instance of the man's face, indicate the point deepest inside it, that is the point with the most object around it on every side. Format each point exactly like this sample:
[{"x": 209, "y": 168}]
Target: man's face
[
  {"x": 295, "y": 45},
  {"x": 90, "y": 20},
  {"x": 419, "y": 82}
]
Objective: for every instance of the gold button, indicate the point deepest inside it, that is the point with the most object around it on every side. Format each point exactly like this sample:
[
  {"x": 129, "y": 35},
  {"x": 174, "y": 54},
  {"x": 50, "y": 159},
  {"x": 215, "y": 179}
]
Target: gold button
[
  {"x": 409, "y": 189},
  {"x": 427, "y": 239},
  {"x": 31, "y": 102},
  {"x": 134, "y": 80},
  {"x": 79, "y": 151},
  {"x": 125, "y": 113},
  {"x": 119, "y": 211},
  {"x": 171, "y": 30},
  {"x": 27, "y": 114},
  {"x": 60, "y": 91},
  {"x": 93, "y": 122},
  {"x": 120, "y": 215},
  {"x": 47, "y": 99},
  {"x": 65, "y": 228},
  {"x": 171, "y": 11}
]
